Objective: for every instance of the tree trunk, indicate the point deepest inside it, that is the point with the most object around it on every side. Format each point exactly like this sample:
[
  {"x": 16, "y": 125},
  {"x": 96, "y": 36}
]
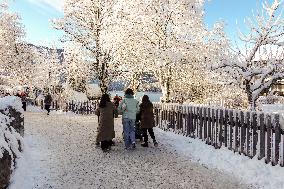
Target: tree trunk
[
  {"x": 103, "y": 87},
  {"x": 166, "y": 87},
  {"x": 251, "y": 100},
  {"x": 135, "y": 83},
  {"x": 168, "y": 90}
]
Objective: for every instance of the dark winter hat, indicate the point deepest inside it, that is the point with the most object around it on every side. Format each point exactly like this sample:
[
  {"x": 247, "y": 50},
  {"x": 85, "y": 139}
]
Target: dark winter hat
[
  {"x": 129, "y": 92},
  {"x": 145, "y": 98}
]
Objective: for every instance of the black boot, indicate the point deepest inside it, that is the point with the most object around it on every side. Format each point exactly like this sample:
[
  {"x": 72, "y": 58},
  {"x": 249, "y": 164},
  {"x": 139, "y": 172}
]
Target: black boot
[
  {"x": 155, "y": 143},
  {"x": 145, "y": 144}
]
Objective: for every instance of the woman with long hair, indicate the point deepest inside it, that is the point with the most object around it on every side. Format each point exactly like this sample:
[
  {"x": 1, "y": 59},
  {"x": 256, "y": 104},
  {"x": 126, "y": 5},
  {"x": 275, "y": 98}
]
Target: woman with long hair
[
  {"x": 147, "y": 120},
  {"x": 106, "y": 112}
]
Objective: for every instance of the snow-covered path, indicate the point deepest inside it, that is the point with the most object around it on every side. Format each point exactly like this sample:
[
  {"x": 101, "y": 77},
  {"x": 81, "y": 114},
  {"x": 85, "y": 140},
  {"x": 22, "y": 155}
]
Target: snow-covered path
[{"x": 61, "y": 153}]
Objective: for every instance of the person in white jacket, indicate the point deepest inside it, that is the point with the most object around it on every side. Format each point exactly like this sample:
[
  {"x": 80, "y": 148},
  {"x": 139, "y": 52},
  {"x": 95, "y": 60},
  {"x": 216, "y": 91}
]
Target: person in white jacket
[{"x": 129, "y": 107}]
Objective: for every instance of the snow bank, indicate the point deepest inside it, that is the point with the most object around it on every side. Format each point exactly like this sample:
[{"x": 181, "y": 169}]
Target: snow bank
[
  {"x": 9, "y": 138},
  {"x": 61, "y": 112},
  {"x": 250, "y": 171},
  {"x": 76, "y": 96},
  {"x": 34, "y": 109},
  {"x": 11, "y": 143},
  {"x": 12, "y": 101}
]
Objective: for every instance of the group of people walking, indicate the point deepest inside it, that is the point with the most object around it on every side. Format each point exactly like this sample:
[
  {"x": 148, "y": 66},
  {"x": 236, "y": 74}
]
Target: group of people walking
[{"x": 129, "y": 107}]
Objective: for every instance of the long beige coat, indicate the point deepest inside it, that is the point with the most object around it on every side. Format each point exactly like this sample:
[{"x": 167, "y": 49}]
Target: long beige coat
[{"x": 106, "y": 122}]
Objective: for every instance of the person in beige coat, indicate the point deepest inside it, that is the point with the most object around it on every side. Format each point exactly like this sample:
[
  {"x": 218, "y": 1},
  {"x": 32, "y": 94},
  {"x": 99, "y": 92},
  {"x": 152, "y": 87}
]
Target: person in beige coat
[{"x": 106, "y": 112}]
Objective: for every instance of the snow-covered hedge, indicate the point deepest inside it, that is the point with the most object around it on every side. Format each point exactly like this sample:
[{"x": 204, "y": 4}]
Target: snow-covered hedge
[
  {"x": 270, "y": 99},
  {"x": 11, "y": 142}
]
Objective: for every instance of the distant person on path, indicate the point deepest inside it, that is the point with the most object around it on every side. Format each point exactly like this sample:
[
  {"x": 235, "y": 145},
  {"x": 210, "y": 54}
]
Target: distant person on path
[
  {"x": 129, "y": 108},
  {"x": 23, "y": 97},
  {"x": 147, "y": 120},
  {"x": 106, "y": 113},
  {"x": 47, "y": 102},
  {"x": 24, "y": 100}
]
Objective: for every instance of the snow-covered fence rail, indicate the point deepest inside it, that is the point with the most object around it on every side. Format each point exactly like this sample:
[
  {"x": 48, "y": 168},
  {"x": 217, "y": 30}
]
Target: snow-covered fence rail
[
  {"x": 246, "y": 132},
  {"x": 81, "y": 107},
  {"x": 87, "y": 107},
  {"x": 11, "y": 129}
]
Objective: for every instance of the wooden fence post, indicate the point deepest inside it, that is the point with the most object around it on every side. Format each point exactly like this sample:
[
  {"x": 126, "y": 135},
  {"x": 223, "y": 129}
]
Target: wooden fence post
[
  {"x": 195, "y": 122},
  {"x": 200, "y": 124},
  {"x": 243, "y": 133},
  {"x": 231, "y": 118},
  {"x": 204, "y": 123},
  {"x": 213, "y": 127},
  {"x": 209, "y": 124},
  {"x": 192, "y": 122},
  {"x": 216, "y": 126},
  {"x": 221, "y": 130},
  {"x": 277, "y": 139},
  {"x": 226, "y": 128},
  {"x": 268, "y": 139},
  {"x": 262, "y": 137},
  {"x": 254, "y": 133},
  {"x": 236, "y": 133},
  {"x": 248, "y": 134},
  {"x": 282, "y": 143},
  {"x": 88, "y": 108}
]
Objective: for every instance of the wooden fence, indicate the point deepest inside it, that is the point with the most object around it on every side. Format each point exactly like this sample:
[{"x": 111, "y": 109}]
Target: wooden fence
[
  {"x": 249, "y": 133},
  {"x": 87, "y": 107}
]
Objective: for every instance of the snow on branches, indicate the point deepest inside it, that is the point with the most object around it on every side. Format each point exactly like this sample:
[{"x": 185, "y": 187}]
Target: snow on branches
[
  {"x": 91, "y": 23},
  {"x": 15, "y": 58},
  {"x": 126, "y": 39},
  {"x": 260, "y": 64},
  {"x": 48, "y": 69},
  {"x": 168, "y": 38}
]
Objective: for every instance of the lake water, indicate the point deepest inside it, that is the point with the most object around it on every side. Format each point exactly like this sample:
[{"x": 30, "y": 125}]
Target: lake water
[{"x": 154, "y": 96}]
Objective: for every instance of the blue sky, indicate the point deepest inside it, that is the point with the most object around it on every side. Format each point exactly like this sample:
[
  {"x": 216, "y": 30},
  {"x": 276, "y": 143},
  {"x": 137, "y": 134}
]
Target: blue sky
[{"x": 37, "y": 13}]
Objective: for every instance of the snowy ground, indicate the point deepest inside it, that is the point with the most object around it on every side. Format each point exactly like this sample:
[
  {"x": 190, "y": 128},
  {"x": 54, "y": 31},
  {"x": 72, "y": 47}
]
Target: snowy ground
[{"x": 60, "y": 153}]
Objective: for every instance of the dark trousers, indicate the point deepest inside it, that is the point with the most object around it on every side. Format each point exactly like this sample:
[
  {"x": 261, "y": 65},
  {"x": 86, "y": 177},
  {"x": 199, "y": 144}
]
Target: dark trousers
[
  {"x": 47, "y": 107},
  {"x": 145, "y": 135},
  {"x": 24, "y": 105},
  {"x": 105, "y": 144}
]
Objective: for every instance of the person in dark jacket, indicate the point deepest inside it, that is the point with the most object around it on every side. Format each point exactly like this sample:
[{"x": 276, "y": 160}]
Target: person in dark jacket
[
  {"x": 47, "y": 102},
  {"x": 147, "y": 120},
  {"x": 106, "y": 113}
]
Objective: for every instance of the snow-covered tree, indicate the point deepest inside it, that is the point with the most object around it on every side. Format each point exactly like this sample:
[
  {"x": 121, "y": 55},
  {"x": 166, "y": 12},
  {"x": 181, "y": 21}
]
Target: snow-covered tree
[
  {"x": 260, "y": 64},
  {"x": 76, "y": 67},
  {"x": 91, "y": 24},
  {"x": 48, "y": 70},
  {"x": 169, "y": 39},
  {"x": 15, "y": 56}
]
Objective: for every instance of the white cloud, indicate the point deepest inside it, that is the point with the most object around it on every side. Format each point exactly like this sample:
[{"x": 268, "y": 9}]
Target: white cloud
[{"x": 47, "y": 4}]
